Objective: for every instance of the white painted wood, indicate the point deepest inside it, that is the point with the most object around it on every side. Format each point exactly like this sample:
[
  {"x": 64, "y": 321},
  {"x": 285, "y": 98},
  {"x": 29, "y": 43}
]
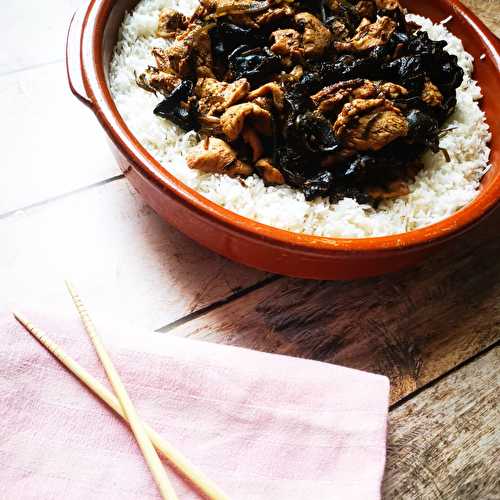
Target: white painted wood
[
  {"x": 52, "y": 144},
  {"x": 119, "y": 254}
]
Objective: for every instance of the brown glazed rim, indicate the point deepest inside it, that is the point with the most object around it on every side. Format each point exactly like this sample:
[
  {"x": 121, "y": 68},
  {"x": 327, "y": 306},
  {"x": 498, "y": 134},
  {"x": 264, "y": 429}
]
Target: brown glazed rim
[{"x": 93, "y": 22}]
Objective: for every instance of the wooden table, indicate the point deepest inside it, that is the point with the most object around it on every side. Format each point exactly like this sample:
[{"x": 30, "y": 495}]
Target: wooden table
[{"x": 66, "y": 208}]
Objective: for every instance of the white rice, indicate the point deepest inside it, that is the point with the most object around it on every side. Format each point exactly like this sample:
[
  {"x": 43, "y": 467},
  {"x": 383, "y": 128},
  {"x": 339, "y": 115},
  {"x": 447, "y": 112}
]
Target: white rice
[{"x": 439, "y": 190}]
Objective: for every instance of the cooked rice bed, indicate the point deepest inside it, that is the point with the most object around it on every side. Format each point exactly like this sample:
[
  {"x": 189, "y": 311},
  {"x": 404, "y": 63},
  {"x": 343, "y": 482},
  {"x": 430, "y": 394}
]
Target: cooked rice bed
[{"x": 439, "y": 190}]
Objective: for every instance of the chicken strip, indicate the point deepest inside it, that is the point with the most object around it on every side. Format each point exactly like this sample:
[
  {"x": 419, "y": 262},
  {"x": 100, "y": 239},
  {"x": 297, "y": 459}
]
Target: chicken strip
[
  {"x": 332, "y": 96},
  {"x": 287, "y": 43},
  {"x": 154, "y": 80},
  {"x": 271, "y": 175},
  {"x": 170, "y": 23},
  {"x": 235, "y": 117},
  {"x": 214, "y": 97},
  {"x": 368, "y": 36},
  {"x": 190, "y": 53},
  {"x": 370, "y": 124},
  {"x": 431, "y": 95},
  {"x": 316, "y": 37},
  {"x": 270, "y": 88},
  {"x": 216, "y": 157}
]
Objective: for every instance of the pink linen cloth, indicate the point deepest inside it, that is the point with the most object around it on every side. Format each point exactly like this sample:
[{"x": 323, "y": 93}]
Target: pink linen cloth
[{"x": 260, "y": 425}]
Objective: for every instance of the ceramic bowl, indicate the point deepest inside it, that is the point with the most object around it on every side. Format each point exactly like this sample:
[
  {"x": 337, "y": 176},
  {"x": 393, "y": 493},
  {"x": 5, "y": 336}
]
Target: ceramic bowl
[{"x": 91, "y": 38}]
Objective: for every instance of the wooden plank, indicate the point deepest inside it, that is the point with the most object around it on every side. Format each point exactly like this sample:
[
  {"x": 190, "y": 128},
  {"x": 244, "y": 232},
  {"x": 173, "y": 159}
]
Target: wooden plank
[
  {"x": 488, "y": 11},
  {"x": 33, "y": 32},
  {"x": 55, "y": 144},
  {"x": 123, "y": 258},
  {"x": 411, "y": 326},
  {"x": 445, "y": 442}
]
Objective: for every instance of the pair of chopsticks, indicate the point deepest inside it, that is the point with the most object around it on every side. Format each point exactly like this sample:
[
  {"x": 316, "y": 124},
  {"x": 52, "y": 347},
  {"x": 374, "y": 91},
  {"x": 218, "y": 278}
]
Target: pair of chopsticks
[{"x": 148, "y": 440}]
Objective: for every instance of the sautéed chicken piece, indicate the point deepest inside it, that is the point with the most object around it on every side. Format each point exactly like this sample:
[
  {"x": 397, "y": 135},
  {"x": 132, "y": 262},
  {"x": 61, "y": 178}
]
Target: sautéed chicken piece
[{"x": 332, "y": 97}]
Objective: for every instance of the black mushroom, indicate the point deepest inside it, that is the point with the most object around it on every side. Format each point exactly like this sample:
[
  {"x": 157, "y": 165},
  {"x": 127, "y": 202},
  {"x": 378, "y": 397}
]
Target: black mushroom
[
  {"x": 333, "y": 97},
  {"x": 176, "y": 108}
]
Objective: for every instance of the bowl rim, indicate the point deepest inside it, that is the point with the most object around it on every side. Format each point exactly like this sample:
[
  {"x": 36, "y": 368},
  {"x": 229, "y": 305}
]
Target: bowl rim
[{"x": 94, "y": 19}]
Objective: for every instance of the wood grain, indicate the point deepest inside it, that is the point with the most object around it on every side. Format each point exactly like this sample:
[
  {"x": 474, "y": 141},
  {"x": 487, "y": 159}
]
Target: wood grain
[
  {"x": 55, "y": 144},
  {"x": 488, "y": 11},
  {"x": 445, "y": 442},
  {"x": 411, "y": 326},
  {"x": 33, "y": 33},
  {"x": 119, "y": 253}
]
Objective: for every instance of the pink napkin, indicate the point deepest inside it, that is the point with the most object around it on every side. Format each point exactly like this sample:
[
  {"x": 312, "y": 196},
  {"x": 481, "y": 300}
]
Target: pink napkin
[{"x": 262, "y": 426}]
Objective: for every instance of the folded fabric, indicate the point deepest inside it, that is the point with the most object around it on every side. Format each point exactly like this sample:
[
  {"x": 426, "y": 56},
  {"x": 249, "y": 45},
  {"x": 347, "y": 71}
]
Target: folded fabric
[{"x": 260, "y": 425}]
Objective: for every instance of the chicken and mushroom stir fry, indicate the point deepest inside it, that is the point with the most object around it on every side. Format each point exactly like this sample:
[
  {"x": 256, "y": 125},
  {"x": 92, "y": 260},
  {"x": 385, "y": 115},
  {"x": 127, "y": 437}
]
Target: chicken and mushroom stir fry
[{"x": 333, "y": 97}]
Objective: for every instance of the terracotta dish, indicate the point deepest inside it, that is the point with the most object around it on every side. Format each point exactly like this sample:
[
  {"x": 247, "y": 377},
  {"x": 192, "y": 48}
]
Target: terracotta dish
[{"x": 91, "y": 38}]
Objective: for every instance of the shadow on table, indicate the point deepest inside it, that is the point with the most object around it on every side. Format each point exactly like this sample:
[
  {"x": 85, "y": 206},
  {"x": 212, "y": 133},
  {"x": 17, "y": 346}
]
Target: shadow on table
[{"x": 411, "y": 326}]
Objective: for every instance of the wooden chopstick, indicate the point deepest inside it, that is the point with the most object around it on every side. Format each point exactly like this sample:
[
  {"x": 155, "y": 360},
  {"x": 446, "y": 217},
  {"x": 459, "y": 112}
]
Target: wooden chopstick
[
  {"x": 205, "y": 485},
  {"x": 147, "y": 448}
]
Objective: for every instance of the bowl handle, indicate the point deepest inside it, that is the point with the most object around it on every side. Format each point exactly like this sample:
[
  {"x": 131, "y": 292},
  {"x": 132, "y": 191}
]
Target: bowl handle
[{"x": 73, "y": 57}]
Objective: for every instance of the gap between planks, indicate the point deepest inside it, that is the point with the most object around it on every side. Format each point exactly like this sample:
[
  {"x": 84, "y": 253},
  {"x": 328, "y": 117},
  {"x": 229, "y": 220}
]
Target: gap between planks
[
  {"x": 415, "y": 326},
  {"x": 445, "y": 443},
  {"x": 211, "y": 307},
  {"x": 52, "y": 199},
  {"x": 437, "y": 380},
  {"x": 233, "y": 297},
  {"x": 31, "y": 67}
]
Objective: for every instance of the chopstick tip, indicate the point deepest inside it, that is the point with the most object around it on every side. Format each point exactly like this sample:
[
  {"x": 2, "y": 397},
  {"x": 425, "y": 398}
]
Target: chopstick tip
[
  {"x": 17, "y": 316},
  {"x": 21, "y": 319}
]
